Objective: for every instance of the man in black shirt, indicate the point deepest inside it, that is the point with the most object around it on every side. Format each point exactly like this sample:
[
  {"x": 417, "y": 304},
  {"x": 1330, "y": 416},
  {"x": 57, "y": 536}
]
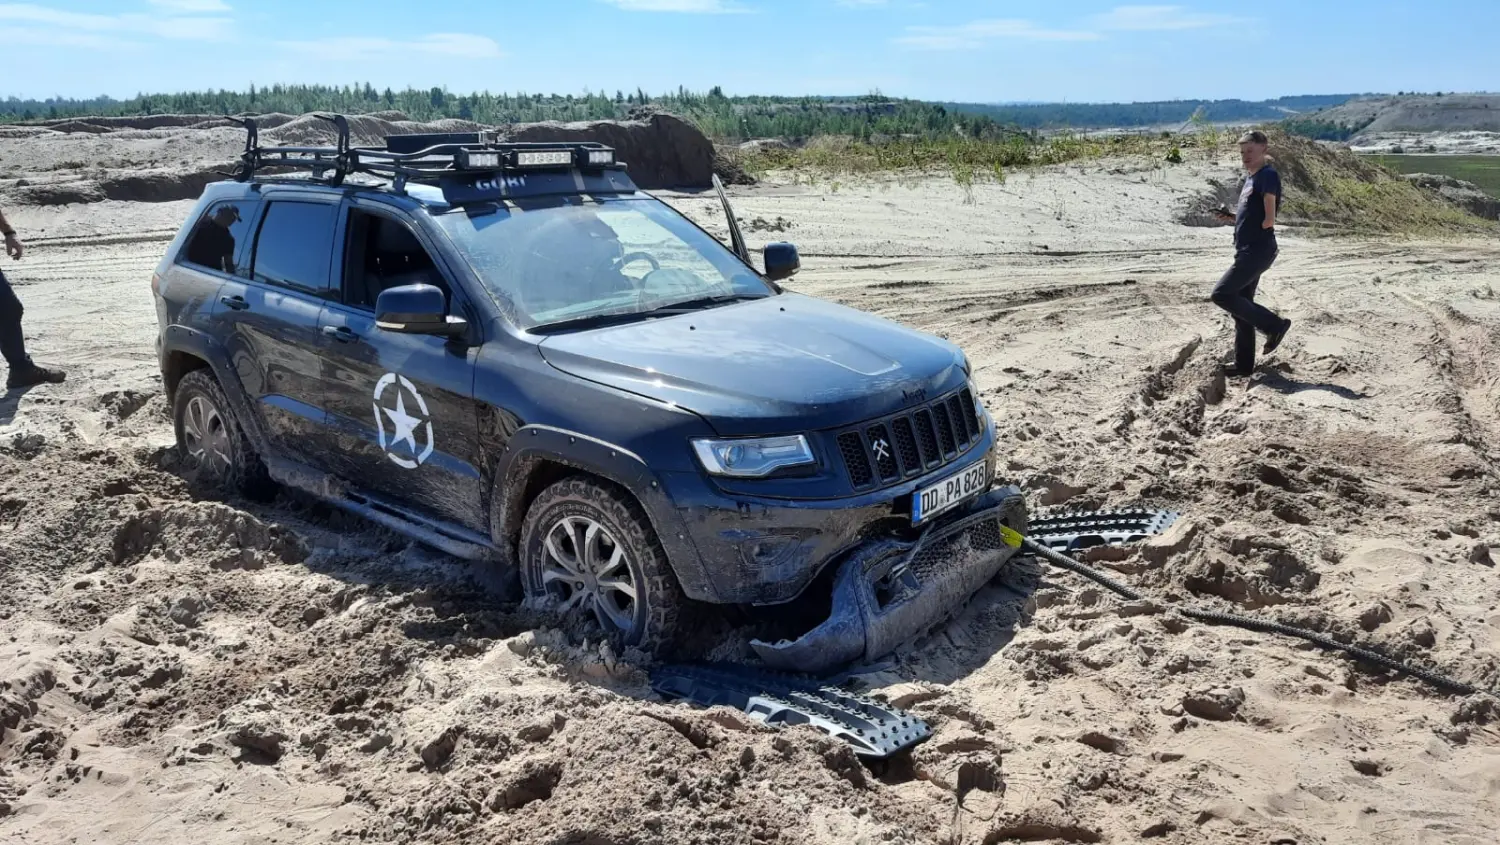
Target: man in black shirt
[
  {"x": 213, "y": 245},
  {"x": 1254, "y": 251}
]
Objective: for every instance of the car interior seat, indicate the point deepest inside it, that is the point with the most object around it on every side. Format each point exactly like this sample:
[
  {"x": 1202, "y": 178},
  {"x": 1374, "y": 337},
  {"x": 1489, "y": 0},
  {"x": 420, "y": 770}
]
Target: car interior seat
[{"x": 398, "y": 258}]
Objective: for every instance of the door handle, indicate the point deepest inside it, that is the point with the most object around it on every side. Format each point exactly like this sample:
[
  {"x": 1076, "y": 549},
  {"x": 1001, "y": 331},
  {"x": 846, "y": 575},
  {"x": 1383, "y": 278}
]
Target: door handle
[
  {"x": 342, "y": 334},
  {"x": 238, "y": 303}
]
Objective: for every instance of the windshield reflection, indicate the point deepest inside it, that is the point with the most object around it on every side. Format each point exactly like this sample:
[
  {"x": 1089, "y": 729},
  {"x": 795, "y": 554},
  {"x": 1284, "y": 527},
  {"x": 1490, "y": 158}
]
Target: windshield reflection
[{"x": 567, "y": 261}]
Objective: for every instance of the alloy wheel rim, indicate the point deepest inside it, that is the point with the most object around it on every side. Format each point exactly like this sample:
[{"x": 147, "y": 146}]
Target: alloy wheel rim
[
  {"x": 587, "y": 570},
  {"x": 206, "y": 437}
]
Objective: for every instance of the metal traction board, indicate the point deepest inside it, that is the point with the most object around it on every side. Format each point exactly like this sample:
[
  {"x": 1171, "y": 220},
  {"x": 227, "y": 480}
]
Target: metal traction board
[{"x": 875, "y": 730}]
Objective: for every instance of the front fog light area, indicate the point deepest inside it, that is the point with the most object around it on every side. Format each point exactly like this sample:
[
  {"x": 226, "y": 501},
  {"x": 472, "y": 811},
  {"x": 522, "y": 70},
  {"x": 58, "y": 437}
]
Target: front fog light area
[{"x": 753, "y": 458}]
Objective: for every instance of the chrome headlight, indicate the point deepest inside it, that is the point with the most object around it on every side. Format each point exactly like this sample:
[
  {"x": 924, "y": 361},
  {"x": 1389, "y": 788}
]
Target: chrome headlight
[{"x": 753, "y": 458}]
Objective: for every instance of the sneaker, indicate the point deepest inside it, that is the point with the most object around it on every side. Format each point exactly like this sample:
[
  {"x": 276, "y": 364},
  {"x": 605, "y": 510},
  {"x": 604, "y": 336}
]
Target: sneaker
[
  {"x": 1236, "y": 372},
  {"x": 1273, "y": 339},
  {"x": 34, "y": 376}
]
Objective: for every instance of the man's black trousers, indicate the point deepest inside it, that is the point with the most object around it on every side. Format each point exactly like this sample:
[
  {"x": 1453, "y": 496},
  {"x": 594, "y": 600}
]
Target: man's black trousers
[{"x": 1235, "y": 293}]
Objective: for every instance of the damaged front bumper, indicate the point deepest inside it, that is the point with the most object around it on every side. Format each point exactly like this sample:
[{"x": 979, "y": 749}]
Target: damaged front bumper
[{"x": 890, "y": 591}]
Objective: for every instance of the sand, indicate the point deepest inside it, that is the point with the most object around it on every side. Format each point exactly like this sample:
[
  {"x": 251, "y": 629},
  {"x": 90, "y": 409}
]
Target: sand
[{"x": 175, "y": 669}]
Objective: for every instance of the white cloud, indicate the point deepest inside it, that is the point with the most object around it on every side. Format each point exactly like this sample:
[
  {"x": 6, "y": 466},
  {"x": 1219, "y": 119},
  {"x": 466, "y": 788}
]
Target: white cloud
[
  {"x": 78, "y": 23},
  {"x": 192, "y": 5},
  {"x": 1159, "y": 19},
  {"x": 445, "y": 44},
  {"x": 43, "y": 37},
  {"x": 698, "y": 7},
  {"x": 976, "y": 34}
]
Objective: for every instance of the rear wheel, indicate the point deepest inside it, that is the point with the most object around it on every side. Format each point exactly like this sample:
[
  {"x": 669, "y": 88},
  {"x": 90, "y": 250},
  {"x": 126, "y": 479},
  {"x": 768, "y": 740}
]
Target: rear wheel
[
  {"x": 588, "y": 551},
  {"x": 213, "y": 446}
]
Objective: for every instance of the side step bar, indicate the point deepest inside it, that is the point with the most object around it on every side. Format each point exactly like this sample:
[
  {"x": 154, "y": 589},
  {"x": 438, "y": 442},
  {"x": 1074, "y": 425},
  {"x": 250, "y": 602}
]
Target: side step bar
[
  {"x": 453, "y": 539},
  {"x": 876, "y": 731}
]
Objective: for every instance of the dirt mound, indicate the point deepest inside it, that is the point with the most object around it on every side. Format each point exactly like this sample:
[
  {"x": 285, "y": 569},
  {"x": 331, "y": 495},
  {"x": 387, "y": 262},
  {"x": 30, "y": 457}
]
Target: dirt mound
[
  {"x": 1466, "y": 195},
  {"x": 153, "y": 121},
  {"x": 79, "y": 126},
  {"x": 364, "y": 130},
  {"x": 162, "y": 185},
  {"x": 663, "y": 151},
  {"x": 56, "y": 193},
  {"x": 1330, "y": 187},
  {"x": 729, "y": 165},
  {"x": 138, "y": 186},
  {"x": 16, "y": 131}
]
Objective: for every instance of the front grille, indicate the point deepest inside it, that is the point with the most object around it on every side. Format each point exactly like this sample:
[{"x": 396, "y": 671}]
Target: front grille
[
  {"x": 886, "y": 451},
  {"x": 855, "y": 458},
  {"x": 945, "y": 428}
]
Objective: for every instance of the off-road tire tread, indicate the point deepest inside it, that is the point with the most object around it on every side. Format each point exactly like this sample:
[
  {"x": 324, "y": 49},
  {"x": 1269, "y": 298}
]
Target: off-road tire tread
[
  {"x": 247, "y": 474},
  {"x": 664, "y": 599}
]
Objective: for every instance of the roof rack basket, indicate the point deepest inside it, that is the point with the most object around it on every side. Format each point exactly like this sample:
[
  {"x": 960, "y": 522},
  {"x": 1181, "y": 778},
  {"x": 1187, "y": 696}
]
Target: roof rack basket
[{"x": 423, "y": 158}]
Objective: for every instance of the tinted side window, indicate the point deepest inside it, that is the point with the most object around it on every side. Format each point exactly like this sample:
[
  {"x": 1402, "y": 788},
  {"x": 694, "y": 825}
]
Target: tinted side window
[
  {"x": 215, "y": 239},
  {"x": 295, "y": 245}
]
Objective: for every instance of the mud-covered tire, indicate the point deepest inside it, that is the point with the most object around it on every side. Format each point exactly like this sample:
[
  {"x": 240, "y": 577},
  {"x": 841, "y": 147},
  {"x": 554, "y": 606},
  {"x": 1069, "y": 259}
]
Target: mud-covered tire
[
  {"x": 565, "y": 510},
  {"x": 212, "y": 443}
]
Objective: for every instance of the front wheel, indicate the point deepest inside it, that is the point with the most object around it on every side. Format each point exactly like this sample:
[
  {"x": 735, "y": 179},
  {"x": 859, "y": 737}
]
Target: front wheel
[{"x": 588, "y": 551}]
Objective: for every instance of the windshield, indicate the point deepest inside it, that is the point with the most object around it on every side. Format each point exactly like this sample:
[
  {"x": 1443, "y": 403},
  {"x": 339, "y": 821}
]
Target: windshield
[{"x": 564, "y": 262}]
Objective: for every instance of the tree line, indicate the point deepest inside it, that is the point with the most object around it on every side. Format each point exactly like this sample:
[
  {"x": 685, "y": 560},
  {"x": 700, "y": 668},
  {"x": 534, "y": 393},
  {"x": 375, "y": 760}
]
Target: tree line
[
  {"x": 718, "y": 115},
  {"x": 1042, "y": 116}
]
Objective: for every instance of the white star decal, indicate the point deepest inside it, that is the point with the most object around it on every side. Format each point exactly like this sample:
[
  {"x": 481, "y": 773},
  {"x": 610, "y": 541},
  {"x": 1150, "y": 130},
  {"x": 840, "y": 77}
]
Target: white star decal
[
  {"x": 405, "y": 423},
  {"x": 408, "y": 428}
]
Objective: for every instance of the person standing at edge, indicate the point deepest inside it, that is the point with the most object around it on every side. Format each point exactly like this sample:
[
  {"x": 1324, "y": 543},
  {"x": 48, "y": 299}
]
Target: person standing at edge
[
  {"x": 1254, "y": 251},
  {"x": 23, "y": 373}
]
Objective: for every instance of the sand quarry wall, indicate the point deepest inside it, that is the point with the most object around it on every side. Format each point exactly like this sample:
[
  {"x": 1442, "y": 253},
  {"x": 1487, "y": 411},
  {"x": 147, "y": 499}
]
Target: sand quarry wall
[{"x": 165, "y": 158}]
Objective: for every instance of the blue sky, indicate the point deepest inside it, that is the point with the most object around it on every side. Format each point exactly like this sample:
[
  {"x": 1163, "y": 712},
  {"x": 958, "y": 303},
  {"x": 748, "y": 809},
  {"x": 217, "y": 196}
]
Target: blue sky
[{"x": 978, "y": 50}]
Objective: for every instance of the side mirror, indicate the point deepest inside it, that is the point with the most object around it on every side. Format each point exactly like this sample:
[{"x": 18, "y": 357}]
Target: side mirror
[
  {"x": 416, "y": 309},
  {"x": 781, "y": 261}
]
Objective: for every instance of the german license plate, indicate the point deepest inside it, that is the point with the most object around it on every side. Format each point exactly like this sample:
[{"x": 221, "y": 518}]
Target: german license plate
[{"x": 953, "y": 490}]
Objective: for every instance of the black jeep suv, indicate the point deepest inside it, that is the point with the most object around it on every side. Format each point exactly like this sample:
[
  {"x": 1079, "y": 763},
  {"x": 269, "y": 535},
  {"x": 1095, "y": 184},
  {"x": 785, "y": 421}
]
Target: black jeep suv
[{"x": 508, "y": 352}]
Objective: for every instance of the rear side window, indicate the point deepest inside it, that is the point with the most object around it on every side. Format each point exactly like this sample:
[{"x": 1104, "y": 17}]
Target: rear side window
[
  {"x": 214, "y": 243},
  {"x": 295, "y": 246}
]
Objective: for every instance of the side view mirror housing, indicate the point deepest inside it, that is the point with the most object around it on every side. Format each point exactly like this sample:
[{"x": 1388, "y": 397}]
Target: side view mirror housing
[
  {"x": 416, "y": 309},
  {"x": 782, "y": 261}
]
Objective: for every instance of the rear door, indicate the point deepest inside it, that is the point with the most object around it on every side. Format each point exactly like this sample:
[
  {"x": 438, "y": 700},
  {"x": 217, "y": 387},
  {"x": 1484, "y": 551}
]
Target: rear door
[
  {"x": 401, "y": 407},
  {"x": 212, "y": 252},
  {"x": 272, "y": 310}
]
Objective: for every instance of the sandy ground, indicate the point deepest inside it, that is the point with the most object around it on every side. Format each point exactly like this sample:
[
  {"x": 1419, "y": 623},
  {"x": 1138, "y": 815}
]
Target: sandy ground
[{"x": 176, "y": 670}]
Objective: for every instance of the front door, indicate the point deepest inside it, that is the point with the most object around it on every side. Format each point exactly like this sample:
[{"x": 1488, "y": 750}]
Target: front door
[
  {"x": 272, "y": 310},
  {"x": 401, "y": 412}
]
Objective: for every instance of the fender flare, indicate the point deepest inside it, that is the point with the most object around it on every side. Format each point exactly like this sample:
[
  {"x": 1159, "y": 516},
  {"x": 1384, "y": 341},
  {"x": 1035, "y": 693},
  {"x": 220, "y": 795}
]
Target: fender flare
[
  {"x": 207, "y": 348},
  {"x": 536, "y": 443}
]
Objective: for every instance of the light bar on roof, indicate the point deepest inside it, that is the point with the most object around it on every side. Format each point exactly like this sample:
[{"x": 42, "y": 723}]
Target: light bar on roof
[
  {"x": 601, "y": 158},
  {"x": 478, "y": 160},
  {"x": 544, "y": 158}
]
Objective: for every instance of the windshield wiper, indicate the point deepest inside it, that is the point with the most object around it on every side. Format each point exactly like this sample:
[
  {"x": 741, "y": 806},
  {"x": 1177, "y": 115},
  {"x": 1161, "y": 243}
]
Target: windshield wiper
[
  {"x": 703, "y": 302},
  {"x": 595, "y": 321}
]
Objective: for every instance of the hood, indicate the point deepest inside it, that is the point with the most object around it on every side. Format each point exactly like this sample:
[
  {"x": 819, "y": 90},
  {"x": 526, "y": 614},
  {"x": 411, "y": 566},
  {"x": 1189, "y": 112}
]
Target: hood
[{"x": 783, "y": 364}]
